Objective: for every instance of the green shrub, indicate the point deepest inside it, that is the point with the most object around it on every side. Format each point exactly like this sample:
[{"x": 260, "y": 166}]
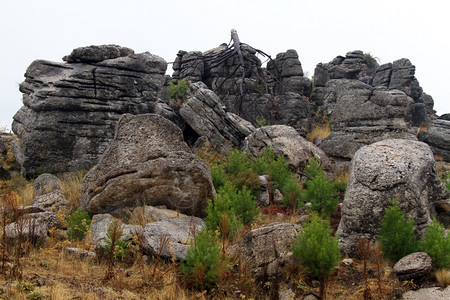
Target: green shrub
[
  {"x": 120, "y": 247},
  {"x": 396, "y": 234},
  {"x": 222, "y": 204},
  {"x": 436, "y": 245},
  {"x": 340, "y": 186},
  {"x": 313, "y": 168},
  {"x": 262, "y": 162},
  {"x": 219, "y": 177},
  {"x": 446, "y": 180},
  {"x": 248, "y": 179},
  {"x": 237, "y": 161},
  {"x": 279, "y": 172},
  {"x": 243, "y": 204},
  {"x": 203, "y": 261},
  {"x": 319, "y": 192},
  {"x": 78, "y": 224},
  {"x": 292, "y": 193},
  {"x": 317, "y": 249},
  {"x": 178, "y": 89}
]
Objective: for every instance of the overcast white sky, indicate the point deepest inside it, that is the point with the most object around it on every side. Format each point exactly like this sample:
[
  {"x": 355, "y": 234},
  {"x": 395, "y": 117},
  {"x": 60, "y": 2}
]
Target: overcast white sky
[{"x": 318, "y": 30}]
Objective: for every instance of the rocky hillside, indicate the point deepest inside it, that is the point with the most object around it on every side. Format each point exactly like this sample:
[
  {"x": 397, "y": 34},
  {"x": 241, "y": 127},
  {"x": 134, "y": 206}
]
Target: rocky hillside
[{"x": 136, "y": 132}]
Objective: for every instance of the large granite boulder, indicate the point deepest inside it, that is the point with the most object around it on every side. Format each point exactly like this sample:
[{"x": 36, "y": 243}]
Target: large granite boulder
[
  {"x": 71, "y": 109},
  {"x": 287, "y": 142},
  {"x": 438, "y": 137},
  {"x": 206, "y": 116},
  {"x": 399, "y": 169},
  {"x": 362, "y": 115},
  {"x": 148, "y": 163},
  {"x": 267, "y": 250}
]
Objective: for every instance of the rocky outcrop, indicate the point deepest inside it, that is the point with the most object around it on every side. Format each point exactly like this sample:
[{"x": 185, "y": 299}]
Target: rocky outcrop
[
  {"x": 285, "y": 141},
  {"x": 33, "y": 226},
  {"x": 287, "y": 74},
  {"x": 367, "y": 103},
  {"x": 277, "y": 95},
  {"x": 206, "y": 116},
  {"x": 413, "y": 266},
  {"x": 438, "y": 137},
  {"x": 362, "y": 115},
  {"x": 148, "y": 163},
  {"x": 267, "y": 250},
  {"x": 392, "y": 169},
  {"x": 71, "y": 109},
  {"x": 355, "y": 65}
]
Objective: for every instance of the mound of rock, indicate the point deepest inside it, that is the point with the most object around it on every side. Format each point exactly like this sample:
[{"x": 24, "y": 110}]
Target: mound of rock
[
  {"x": 367, "y": 103},
  {"x": 398, "y": 169},
  {"x": 362, "y": 115},
  {"x": 148, "y": 163},
  {"x": 285, "y": 141},
  {"x": 74, "y": 107}
]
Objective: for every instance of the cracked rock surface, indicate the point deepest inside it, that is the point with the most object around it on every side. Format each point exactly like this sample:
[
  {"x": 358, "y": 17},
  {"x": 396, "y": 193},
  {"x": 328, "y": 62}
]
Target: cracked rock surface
[
  {"x": 71, "y": 109},
  {"x": 399, "y": 169}
]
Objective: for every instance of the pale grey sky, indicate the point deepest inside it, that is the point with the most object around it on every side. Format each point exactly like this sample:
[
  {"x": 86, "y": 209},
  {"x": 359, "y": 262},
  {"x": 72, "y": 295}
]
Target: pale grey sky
[{"x": 318, "y": 30}]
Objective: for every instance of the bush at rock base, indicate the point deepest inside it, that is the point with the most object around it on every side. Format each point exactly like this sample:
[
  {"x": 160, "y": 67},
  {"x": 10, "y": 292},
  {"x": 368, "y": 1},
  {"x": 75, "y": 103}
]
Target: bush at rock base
[
  {"x": 320, "y": 189},
  {"x": 436, "y": 245},
  {"x": 78, "y": 224},
  {"x": 204, "y": 263},
  {"x": 317, "y": 249},
  {"x": 396, "y": 234}
]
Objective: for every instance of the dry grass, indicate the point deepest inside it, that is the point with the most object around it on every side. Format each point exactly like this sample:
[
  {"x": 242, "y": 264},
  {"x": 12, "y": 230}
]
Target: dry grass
[
  {"x": 443, "y": 277},
  {"x": 321, "y": 130},
  {"x": 71, "y": 187},
  {"x": 422, "y": 128}
]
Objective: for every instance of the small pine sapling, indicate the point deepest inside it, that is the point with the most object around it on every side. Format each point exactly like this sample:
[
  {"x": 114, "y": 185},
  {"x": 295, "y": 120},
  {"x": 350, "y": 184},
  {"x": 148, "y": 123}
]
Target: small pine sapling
[
  {"x": 396, "y": 234},
  {"x": 318, "y": 250},
  {"x": 435, "y": 244},
  {"x": 202, "y": 263}
]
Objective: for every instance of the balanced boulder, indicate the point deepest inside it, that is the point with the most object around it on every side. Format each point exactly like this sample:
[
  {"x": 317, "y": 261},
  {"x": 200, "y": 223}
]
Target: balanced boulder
[
  {"x": 399, "y": 169},
  {"x": 148, "y": 163}
]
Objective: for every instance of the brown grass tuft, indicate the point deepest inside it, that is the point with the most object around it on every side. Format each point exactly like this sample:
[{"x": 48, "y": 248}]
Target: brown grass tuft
[
  {"x": 321, "y": 130},
  {"x": 71, "y": 187},
  {"x": 443, "y": 277}
]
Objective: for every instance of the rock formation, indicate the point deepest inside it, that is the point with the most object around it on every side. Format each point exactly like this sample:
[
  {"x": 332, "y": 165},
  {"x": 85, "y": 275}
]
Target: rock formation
[
  {"x": 276, "y": 95},
  {"x": 368, "y": 103},
  {"x": 206, "y": 116},
  {"x": 438, "y": 137},
  {"x": 378, "y": 114},
  {"x": 71, "y": 109},
  {"x": 287, "y": 142},
  {"x": 398, "y": 169},
  {"x": 148, "y": 163}
]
